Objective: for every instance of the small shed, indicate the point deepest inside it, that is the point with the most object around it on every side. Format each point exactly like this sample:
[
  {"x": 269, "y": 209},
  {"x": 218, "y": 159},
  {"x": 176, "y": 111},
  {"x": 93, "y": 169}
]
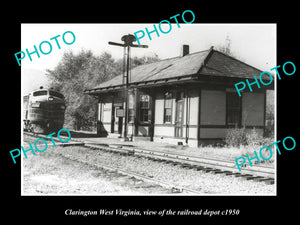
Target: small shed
[{"x": 190, "y": 99}]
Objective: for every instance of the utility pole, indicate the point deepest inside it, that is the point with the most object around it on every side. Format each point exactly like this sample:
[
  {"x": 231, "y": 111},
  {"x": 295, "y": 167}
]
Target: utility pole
[{"x": 127, "y": 39}]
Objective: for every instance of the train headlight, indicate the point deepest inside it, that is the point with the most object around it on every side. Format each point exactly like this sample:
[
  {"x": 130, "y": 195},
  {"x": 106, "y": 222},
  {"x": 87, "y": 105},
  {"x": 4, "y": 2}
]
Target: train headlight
[
  {"x": 36, "y": 105},
  {"x": 50, "y": 98},
  {"x": 62, "y": 107}
]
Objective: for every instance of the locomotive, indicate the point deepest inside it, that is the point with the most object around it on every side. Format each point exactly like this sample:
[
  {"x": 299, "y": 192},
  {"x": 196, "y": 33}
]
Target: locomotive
[{"x": 43, "y": 111}]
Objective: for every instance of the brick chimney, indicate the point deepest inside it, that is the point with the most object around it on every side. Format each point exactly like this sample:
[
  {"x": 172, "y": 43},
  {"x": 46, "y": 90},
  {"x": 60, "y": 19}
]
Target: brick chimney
[{"x": 185, "y": 50}]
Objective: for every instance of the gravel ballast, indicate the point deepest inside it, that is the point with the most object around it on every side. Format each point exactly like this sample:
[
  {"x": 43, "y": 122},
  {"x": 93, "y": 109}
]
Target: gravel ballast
[{"x": 203, "y": 182}]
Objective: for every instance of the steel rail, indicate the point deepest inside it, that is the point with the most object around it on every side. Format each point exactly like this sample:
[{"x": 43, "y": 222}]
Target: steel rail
[
  {"x": 218, "y": 165},
  {"x": 265, "y": 174},
  {"x": 173, "y": 187}
]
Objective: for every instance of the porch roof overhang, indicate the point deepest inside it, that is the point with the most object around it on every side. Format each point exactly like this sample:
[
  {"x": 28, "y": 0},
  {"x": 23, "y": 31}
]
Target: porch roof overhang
[
  {"x": 143, "y": 84},
  {"x": 187, "y": 79}
]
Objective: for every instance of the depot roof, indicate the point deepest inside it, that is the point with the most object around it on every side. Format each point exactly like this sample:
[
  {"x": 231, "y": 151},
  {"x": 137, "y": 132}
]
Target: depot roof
[{"x": 191, "y": 66}]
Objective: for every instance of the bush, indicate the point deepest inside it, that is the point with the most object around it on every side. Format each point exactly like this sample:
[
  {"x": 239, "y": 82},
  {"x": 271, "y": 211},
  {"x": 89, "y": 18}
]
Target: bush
[
  {"x": 235, "y": 137},
  {"x": 253, "y": 139},
  {"x": 248, "y": 142}
]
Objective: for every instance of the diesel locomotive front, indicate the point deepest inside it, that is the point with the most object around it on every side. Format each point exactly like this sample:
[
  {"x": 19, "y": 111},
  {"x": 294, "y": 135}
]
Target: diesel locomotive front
[{"x": 43, "y": 111}]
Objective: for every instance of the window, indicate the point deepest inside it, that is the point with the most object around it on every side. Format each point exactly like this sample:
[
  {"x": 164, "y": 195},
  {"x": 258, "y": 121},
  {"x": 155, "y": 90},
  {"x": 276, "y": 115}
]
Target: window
[
  {"x": 168, "y": 108},
  {"x": 56, "y": 94},
  {"x": 233, "y": 109},
  {"x": 145, "y": 108},
  {"x": 39, "y": 93}
]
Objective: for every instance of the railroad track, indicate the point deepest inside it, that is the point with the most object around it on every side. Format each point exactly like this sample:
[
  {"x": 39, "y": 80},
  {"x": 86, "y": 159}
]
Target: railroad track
[
  {"x": 255, "y": 173},
  {"x": 174, "y": 188},
  {"x": 260, "y": 174}
]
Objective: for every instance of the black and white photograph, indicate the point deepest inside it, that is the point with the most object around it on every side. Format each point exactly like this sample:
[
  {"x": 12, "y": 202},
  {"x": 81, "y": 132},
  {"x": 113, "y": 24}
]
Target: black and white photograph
[
  {"x": 163, "y": 117},
  {"x": 124, "y": 113}
]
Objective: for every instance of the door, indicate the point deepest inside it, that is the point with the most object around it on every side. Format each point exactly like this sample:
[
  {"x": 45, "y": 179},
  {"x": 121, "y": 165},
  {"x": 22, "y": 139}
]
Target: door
[
  {"x": 179, "y": 115},
  {"x": 120, "y": 122},
  {"x": 119, "y": 114}
]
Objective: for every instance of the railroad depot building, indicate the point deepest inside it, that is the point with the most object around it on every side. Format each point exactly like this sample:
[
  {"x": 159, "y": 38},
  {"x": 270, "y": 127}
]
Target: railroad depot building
[{"x": 189, "y": 99}]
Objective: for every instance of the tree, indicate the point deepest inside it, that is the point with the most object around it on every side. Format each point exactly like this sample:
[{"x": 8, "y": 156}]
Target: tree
[
  {"x": 226, "y": 48},
  {"x": 143, "y": 60},
  {"x": 72, "y": 75}
]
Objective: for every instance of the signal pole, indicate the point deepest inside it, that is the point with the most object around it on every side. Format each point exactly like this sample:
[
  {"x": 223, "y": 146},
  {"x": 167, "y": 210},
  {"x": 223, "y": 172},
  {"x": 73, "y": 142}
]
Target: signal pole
[{"x": 127, "y": 39}]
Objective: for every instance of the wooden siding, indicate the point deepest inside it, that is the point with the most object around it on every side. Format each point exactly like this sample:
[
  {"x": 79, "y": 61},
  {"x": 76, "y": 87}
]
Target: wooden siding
[
  {"x": 253, "y": 107},
  {"x": 159, "y": 109},
  {"x": 209, "y": 124},
  {"x": 213, "y": 107},
  {"x": 190, "y": 115},
  {"x": 163, "y": 130},
  {"x": 192, "y": 132},
  {"x": 212, "y": 133},
  {"x": 191, "y": 107}
]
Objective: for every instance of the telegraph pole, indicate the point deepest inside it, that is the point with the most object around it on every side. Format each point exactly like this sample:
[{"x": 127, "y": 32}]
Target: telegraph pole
[{"x": 127, "y": 39}]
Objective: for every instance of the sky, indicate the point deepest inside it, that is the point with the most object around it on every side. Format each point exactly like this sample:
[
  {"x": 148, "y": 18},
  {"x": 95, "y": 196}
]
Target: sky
[{"x": 254, "y": 44}]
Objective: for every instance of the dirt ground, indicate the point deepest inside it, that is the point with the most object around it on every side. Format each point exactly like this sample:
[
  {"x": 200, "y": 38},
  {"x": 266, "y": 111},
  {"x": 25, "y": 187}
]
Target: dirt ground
[{"x": 49, "y": 173}]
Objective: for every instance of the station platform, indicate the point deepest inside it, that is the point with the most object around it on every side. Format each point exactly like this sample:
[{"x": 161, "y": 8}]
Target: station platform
[{"x": 222, "y": 153}]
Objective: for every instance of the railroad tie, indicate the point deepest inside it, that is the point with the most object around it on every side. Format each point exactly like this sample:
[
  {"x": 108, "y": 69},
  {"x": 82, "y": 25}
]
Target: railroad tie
[
  {"x": 199, "y": 168},
  {"x": 216, "y": 171},
  {"x": 258, "y": 178},
  {"x": 236, "y": 174},
  {"x": 247, "y": 177},
  {"x": 266, "y": 180},
  {"x": 228, "y": 173},
  {"x": 186, "y": 165},
  {"x": 208, "y": 169}
]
